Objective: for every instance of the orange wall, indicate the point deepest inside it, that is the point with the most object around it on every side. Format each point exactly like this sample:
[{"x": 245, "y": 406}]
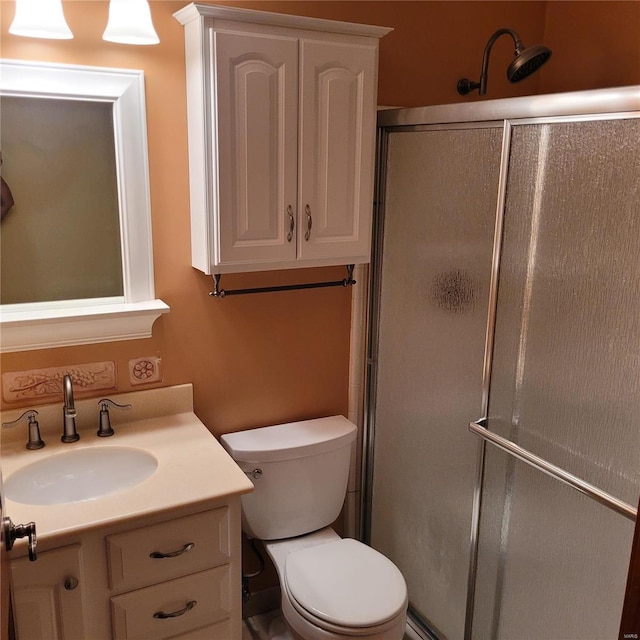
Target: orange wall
[
  {"x": 595, "y": 45},
  {"x": 266, "y": 358},
  {"x": 433, "y": 43}
]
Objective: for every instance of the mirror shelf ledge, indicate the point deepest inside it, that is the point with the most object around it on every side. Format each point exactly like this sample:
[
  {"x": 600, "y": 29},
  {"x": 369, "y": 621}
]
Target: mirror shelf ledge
[{"x": 51, "y": 327}]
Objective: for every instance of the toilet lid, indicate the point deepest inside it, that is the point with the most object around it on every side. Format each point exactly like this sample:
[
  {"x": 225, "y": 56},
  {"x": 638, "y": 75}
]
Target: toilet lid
[{"x": 346, "y": 583}]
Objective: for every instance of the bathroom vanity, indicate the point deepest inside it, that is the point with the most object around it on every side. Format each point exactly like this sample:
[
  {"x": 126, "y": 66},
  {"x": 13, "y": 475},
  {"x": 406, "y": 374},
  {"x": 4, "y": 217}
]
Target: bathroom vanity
[{"x": 160, "y": 559}]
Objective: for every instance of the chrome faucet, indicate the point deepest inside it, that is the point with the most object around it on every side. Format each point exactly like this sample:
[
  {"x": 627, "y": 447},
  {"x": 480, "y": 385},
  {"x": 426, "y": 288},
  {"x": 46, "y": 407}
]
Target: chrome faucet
[{"x": 70, "y": 434}]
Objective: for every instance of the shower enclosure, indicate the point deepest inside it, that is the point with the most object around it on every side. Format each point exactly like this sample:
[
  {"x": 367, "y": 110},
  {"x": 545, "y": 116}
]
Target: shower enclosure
[{"x": 504, "y": 363}]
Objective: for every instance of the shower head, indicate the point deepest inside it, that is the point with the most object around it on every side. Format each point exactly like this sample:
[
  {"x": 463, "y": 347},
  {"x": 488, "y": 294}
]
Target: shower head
[{"x": 527, "y": 61}]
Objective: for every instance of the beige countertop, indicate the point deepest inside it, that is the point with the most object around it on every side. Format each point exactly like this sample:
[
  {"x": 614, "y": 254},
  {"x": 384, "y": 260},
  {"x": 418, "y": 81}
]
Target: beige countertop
[{"x": 193, "y": 471}]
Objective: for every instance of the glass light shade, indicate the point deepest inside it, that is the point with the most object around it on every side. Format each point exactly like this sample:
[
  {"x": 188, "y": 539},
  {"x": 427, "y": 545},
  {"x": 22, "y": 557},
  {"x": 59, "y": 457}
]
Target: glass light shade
[
  {"x": 40, "y": 19},
  {"x": 130, "y": 23}
]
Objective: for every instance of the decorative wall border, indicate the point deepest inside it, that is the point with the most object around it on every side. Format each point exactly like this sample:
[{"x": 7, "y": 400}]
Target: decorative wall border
[{"x": 43, "y": 385}]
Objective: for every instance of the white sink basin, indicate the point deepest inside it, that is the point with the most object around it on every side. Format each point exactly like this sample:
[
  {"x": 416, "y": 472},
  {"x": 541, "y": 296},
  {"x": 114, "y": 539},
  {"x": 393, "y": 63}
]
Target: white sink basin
[{"x": 80, "y": 475}]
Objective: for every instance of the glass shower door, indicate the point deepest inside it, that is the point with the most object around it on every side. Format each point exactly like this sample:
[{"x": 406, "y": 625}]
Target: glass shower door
[
  {"x": 439, "y": 210},
  {"x": 564, "y": 385}
]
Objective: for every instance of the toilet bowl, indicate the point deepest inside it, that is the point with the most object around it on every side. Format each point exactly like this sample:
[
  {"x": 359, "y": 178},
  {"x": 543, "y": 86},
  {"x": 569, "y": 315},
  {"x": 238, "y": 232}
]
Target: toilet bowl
[
  {"x": 334, "y": 588},
  {"x": 331, "y": 588}
]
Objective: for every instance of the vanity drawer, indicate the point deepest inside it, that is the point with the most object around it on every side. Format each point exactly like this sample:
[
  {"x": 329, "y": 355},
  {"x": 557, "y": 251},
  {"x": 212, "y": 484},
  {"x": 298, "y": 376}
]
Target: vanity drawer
[
  {"x": 133, "y": 613},
  {"x": 218, "y": 631},
  {"x": 168, "y": 550}
]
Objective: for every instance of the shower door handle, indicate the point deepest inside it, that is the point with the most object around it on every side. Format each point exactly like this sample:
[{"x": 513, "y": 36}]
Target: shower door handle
[{"x": 479, "y": 427}]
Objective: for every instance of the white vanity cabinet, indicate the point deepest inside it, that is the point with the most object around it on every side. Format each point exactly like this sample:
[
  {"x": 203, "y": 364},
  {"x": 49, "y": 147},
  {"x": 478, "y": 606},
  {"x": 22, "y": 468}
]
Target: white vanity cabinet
[
  {"x": 281, "y": 117},
  {"x": 157, "y": 559},
  {"x": 176, "y": 578}
]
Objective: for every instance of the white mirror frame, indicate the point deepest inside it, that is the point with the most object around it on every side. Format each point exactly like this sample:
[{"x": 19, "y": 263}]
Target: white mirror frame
[{"x": 42, "y": 325}]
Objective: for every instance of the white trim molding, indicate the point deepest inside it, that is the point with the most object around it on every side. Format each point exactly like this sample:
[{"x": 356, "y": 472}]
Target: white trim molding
[
  {"x": 41, "y": 325},
  {"x": 67, "y": 326}
]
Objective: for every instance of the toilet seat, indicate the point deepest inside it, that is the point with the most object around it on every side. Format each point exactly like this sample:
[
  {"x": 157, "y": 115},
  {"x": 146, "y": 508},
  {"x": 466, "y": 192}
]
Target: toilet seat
[{"x": 345, "y": 586}]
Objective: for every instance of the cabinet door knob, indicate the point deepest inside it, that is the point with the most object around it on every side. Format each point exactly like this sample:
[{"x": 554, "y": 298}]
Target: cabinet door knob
[
  {"x": 307, "y": 210},
  {"x": 174, "y": 614},
  {"x": 71, "y": 583},
  {"x": 292, "y": 223}
]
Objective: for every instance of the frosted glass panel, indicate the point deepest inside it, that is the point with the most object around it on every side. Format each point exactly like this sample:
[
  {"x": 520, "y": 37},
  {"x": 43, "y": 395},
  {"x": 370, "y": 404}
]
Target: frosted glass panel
[
  {"x": 552, "y": 562},
  {"x": 440, "y": 204},
  {"x": 565, "y": 380},
  {"x": 564, "y": 384}
]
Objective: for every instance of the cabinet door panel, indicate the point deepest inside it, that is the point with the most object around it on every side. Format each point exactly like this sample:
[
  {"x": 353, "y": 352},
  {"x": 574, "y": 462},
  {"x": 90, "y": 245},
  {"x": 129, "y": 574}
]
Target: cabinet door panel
[
  {"x": 336, "y": 149},
  {"x": 257, "y": 163},
  {"x": 44, "y": 608}
]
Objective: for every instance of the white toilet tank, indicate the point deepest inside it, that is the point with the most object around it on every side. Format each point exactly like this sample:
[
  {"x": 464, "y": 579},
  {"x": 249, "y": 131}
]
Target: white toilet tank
[{"x": 302, "y": 478}]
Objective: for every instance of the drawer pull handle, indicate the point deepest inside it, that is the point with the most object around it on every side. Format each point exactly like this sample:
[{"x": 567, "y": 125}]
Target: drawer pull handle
[
  {"x": 173, "y": 554},
  {"x": 174, "y": 614}
]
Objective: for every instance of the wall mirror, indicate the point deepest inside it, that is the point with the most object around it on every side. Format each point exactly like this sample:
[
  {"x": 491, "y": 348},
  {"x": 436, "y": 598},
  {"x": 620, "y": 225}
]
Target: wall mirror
[{"x": 76, "y": 252}]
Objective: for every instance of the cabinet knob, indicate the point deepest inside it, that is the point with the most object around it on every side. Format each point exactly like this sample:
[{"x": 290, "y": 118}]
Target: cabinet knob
[
  {"x": 307, "y": 210},
  {"x": 71, "y": 583},
  {"x": 292, "y": 223}
]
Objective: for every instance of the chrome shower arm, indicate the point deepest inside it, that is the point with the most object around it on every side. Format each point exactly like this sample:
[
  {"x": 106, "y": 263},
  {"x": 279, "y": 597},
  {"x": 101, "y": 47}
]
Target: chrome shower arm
[
  {"x": 465, "y": 85},
  {"x": 526, "y": 62},
  {"x": 487, "y": 52}
]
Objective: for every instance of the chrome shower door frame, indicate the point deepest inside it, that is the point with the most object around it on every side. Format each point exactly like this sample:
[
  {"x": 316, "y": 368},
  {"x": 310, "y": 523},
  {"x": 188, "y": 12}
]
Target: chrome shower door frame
[{"x": 623, "y": 102}]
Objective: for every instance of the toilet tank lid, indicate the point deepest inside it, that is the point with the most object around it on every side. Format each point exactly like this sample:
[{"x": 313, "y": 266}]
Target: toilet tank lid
[{"x": 290, "y": 440}]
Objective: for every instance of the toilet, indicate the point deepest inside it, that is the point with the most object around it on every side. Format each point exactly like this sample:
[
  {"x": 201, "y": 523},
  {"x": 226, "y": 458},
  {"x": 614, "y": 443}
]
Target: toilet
[{"x": 332, "y": 588}]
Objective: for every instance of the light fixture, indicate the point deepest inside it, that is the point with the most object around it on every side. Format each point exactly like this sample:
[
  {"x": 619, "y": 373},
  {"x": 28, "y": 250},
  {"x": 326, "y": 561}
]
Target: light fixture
[
  {"x": 527, "y": 61},
  {"x": 40, "y": 19},
  {"x": 130, "y": 23}
]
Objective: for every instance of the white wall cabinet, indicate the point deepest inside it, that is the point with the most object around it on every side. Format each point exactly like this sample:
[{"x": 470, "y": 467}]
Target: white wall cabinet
[
  {"x": 281, "y": 116},
  {"x": 176, "y": 578}
]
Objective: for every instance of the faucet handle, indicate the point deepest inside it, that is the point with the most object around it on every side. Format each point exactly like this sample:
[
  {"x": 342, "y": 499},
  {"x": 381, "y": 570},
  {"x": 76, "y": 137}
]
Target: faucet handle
[
  {"x": 35, "y": 441},
  {"x": 105, "y": 430}
]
